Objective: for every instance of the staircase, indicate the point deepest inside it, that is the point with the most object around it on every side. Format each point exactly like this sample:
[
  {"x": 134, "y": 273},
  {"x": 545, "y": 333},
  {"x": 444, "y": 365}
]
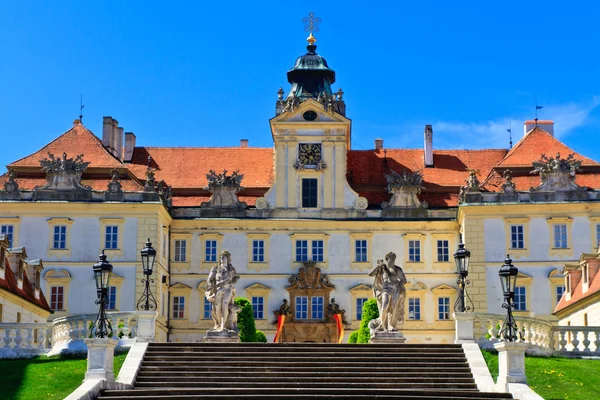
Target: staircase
[{"x": 172, "y": 371}]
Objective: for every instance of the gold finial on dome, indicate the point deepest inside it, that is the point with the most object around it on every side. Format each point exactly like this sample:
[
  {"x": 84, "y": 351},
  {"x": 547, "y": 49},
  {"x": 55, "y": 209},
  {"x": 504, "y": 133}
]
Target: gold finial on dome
[
  {"x": 311, "y": 24},
  {"x": 311, "y": 39}
]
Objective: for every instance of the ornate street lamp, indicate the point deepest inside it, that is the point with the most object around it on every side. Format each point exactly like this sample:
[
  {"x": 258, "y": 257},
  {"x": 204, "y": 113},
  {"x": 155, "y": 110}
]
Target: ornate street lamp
[
  {"x": 508, "y": 278},
  {"x": 147, "y": 302},
  {"x": 102, "y": 271},
  {"x": 461, "y": 258}
]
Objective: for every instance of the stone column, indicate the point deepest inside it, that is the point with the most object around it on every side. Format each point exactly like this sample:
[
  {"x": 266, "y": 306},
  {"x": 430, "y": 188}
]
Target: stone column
[
  {"x": 511, "y": 364},
  {"x": 100, "y": 358},
  {"x": 146, "y": 322},
  {"x": 463, "y": 327}
]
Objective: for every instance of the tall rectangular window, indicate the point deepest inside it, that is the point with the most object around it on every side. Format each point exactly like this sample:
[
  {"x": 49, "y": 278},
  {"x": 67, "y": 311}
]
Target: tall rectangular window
[
  {"x": 1, "y": 312},
  {"x": 414, "y": 308},
  {"x": 443, "y": 308},
  {"x": 309, "y": 192},
  {"x": 112, "y": 298},
  {"x": 317, "y": 251},
  {"x": 258, "y": 251},
  {"x": 317, "y": 307},
  {"x": 414, "y": 250},
  {"x": 301, "y": 307},
  {"x": 520, "y": 298},
  {"x": 56, "y": 298},
  {"x": 517, "y": 238},
  {"x": 360, "y": 250},
  {"x": 560, "y": 236},
  {"x": 207, "y": 309},
  {"x": 60, "y": 237},
  {"x": 560, "y": 290},
  {"x": 443, "y": 254},
  {"x": 597, "y": 235},
  {"x": 359, "y": 307},
  {"x": 258, "y": 307},
  {"x": 8, "y": 230},
  {"x": 210, "y": 254},
  {"x": 178, "y": 307},
  {"x": 180, "y": 250},
  {"x": 301, "y": 250},
  {"x": 111, "y": 237}
]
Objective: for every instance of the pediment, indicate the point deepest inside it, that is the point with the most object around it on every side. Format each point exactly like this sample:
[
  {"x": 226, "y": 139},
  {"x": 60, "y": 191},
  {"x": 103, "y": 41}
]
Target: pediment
[
  {"x": 307, "y": 105},
  {"x": 53, "y": 273},
  {"x": 416, "y": 286},
  {"x": 258, "y": 286},
  {"x": 443, "y": 288},
  {"x": 361, "y": 287},
  {"x": 180, "y": 285}
]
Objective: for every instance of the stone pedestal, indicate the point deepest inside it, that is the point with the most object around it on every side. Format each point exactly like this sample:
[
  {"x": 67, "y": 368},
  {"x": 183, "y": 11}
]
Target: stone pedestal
[
  {"x": 387, "y": 337},
  {"x": 146, "y": 322},
  {"x": 221, "y": 337},
  {"x": 511, "y": 364},
  {"x": 100, "y": 359},
  {"x": 463, "y": 328}
]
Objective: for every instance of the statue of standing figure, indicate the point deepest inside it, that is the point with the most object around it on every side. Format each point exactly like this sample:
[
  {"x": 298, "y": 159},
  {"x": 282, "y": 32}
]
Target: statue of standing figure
[
  {"x": 388, "y": 288},
  {"x": 220, "y": 291}
]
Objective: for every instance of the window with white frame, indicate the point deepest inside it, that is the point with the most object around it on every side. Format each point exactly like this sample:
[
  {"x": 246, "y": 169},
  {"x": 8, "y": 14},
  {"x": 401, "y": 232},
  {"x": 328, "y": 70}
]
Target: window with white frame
[
  {"x": 414, "y": 308},
  {"x": 60, "y": 237},
  {"x": 111, "y": 237},
  {"x": 178, "y": 307},
  {"x": 443, "y": 308},
  {"x": 359, "y": 307},
  {"x": 317, "y": 251},
  {"x": 560, "y": 236},
  {"x": 443, "y": 253},
  {"x": 414, "y": 250},
  {"x": 8, "y": 230},
  {"x": 520, "y": 300},
  {"x": 517, "y": 237},
  {"x": 301, "y": 250},
  {"x": 180, "y": 250},
  {"x": 317, "y": 307},
  {"x": 560, "y": 290},
  {"x": 210, "y": 251},
  {"x": 258, "y": 251},
  {"x": 56, "y": 298},
  {"x": 360, "y": 253},
  {"x": 112, "y": 298},
  {"x": 301, "y": 307},
  {"x": 258, "y": 307},
  {"x": 207, "y": 309}
]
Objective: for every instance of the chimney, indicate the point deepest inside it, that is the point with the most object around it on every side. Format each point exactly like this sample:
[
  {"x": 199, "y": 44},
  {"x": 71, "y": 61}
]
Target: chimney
[
  {"x": 119, "y": 143},
  {"x": 378, "y": 144},
  {"x": 107, "y": 133},
  {"x": 546, "y": 125},
  {"x": 76, "y": 122},
  {"x": 114, "y": 135},
  {"x": 428, "y": 146},
  {"x": 129, "y": 146},
  {"x": 244, "y": 143}
]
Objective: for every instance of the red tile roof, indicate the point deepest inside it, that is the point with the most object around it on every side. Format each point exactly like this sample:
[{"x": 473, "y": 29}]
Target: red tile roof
[
  {"x": 9, "y": 283},
  {"x": 578, "y": 295}
]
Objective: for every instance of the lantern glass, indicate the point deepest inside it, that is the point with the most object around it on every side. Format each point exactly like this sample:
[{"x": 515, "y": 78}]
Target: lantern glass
[
  {"x": 102, "y": 271},
  {"x": 148, "y": 255},
  {"x": 98, "y": 278},
  {"x": 508, "y": 276},
  {"x": 461, "y": 258}
]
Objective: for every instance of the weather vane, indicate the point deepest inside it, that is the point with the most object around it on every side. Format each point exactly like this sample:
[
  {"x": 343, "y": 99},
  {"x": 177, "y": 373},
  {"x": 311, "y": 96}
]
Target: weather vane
[
  {"x": 81, "y": 105},
  {"x": 311, "y": 23}
]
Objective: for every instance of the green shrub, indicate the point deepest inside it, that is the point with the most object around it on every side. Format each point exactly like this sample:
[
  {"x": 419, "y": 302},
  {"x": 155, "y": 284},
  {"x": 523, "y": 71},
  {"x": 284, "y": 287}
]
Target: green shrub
[
  {"x": 353, "y": 337},
  {"x": 246, "y": 320},
  {"x": 369, "y": 312},
  {"x": 261, "y": 337}
]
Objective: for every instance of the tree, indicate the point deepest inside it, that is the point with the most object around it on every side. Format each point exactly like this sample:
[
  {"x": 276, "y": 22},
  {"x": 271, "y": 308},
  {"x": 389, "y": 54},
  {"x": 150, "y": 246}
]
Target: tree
[
  {"x": 369, "y": 312},
  {"x": 246, "y": 320}
]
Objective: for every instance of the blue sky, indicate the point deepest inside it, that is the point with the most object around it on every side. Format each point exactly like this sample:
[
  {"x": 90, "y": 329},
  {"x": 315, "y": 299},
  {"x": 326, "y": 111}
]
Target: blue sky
[{"x": 207, "y": 73}]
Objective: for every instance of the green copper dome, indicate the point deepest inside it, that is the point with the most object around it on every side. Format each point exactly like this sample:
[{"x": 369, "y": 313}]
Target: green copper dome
[{"x": 310, "y": 76}]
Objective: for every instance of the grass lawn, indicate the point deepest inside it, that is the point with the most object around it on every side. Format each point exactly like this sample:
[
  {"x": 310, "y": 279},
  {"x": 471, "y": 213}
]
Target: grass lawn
[
  {"x": 44, "y": 377},
  {"x": 556, "y": 378}
]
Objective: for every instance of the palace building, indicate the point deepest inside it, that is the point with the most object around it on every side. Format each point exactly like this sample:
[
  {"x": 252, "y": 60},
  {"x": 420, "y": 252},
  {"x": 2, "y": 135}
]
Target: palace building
[{"x": 305, "y": 220}]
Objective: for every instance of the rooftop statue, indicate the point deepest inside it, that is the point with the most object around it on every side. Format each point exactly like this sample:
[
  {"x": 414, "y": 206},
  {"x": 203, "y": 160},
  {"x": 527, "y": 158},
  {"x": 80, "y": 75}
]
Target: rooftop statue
[
  {"x": 224, "y": 190},
  {"x": 556, "y": 173},
  {"x": 404, "y": 188},
  {"x": 63, "y": 173}
]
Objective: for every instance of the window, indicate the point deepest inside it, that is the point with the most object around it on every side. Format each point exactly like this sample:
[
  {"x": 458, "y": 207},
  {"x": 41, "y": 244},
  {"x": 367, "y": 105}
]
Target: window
[
  {"x": 309, "y": 192},
  {"x": 56, "y": 297},
  {"x": 60, "y": 237},
  {"x": 178, "y": 307},
  {"x": 443, "y": 254},
  {"x": 258, "y": 307},
  {"x": 414, "y": 250},
  {"x": 111, "y": 240},
  {"x": 1, "y": 312},
  {"x": 517, "y": 238},
  {"x": 8, "y": 230},
  {"x": 18, "y": 317},
  {"x": 360, "y": 247},
  {"x": 443, "y": 308},
  {"x": 301, "y": 307},
  {"x": 414, "y": 308},
  {"x": 317, "y": 307},
  {"x": 560, "y": 236},
  {"x": 560, "y": 290},
  {"x": 112, "y": 298},
  {"x": 180, "y": 250},
  {"x": 210, "y": 254},
  {"x": 520, "y": 298},
  {"x": 207, "y": 309},
  {"x": 301, "y": 250},
  {"x": 359, "y": 307},
  {"x": 258, "y": 251},
  {"x": 317, "y": 250},
  {"x": 597, "y": 235}
]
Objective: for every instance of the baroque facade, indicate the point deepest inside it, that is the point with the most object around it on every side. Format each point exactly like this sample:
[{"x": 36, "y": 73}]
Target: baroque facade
[{"x": 305, "y": 220}]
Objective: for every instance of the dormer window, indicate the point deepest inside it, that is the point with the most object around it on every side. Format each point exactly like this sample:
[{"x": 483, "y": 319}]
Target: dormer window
[
  {"x": 37, "y": 278},
  {"x": 2, "y": 257},
  {"x": 585, "y": 273},
  {"x": 21, "y": 270}
]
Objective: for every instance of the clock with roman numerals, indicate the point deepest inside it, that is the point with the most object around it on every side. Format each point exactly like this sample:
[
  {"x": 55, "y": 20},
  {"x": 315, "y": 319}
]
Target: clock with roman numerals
[{"x": 309, "y": 153}]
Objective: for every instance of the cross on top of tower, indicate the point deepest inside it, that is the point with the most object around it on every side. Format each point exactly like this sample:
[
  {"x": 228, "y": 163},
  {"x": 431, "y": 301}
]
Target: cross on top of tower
[{"x": 311, "y": 24}]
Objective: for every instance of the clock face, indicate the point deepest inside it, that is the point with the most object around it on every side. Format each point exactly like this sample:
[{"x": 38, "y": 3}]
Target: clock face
[{"x": 309, "y": 153}]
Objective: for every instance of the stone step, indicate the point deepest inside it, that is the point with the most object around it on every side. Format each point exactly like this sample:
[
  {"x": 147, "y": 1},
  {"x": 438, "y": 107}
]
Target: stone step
[
  {"x": 317, "y": 385},
  {"x": 295, "y": 358},
  {"x": 322, "y": 368},
  {"x": 311, "y": 349},
  {"x": 284, "y": 377},
  {"x": 306, "y": 345}
]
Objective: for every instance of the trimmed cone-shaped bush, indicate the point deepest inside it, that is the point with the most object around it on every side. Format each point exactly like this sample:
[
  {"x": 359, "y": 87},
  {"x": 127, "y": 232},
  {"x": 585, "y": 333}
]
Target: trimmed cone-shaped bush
[
  {"x": 261, "y": 337},
  {"x": 353, "y": 337},
  {"x": 369, "y": 312},
  {"x": 246, "y": 320}
]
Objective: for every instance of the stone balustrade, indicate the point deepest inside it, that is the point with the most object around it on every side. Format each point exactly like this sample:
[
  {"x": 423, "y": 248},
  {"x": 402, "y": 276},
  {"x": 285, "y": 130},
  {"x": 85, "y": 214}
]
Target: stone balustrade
[{"x": 579, "y": 340}]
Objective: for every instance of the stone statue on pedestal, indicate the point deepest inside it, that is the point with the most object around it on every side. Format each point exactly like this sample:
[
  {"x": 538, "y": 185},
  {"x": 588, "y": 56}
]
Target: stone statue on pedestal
[{"x": 220, "y": 291}]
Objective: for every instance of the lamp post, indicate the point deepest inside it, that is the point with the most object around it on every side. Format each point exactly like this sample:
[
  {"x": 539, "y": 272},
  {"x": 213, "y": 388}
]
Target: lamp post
[
  {"x": 508, "y": 279},
  {"x": 102, "y": 271},
  {"x": 147, "y": 302},
  {"x": 461, "y": 258}
]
